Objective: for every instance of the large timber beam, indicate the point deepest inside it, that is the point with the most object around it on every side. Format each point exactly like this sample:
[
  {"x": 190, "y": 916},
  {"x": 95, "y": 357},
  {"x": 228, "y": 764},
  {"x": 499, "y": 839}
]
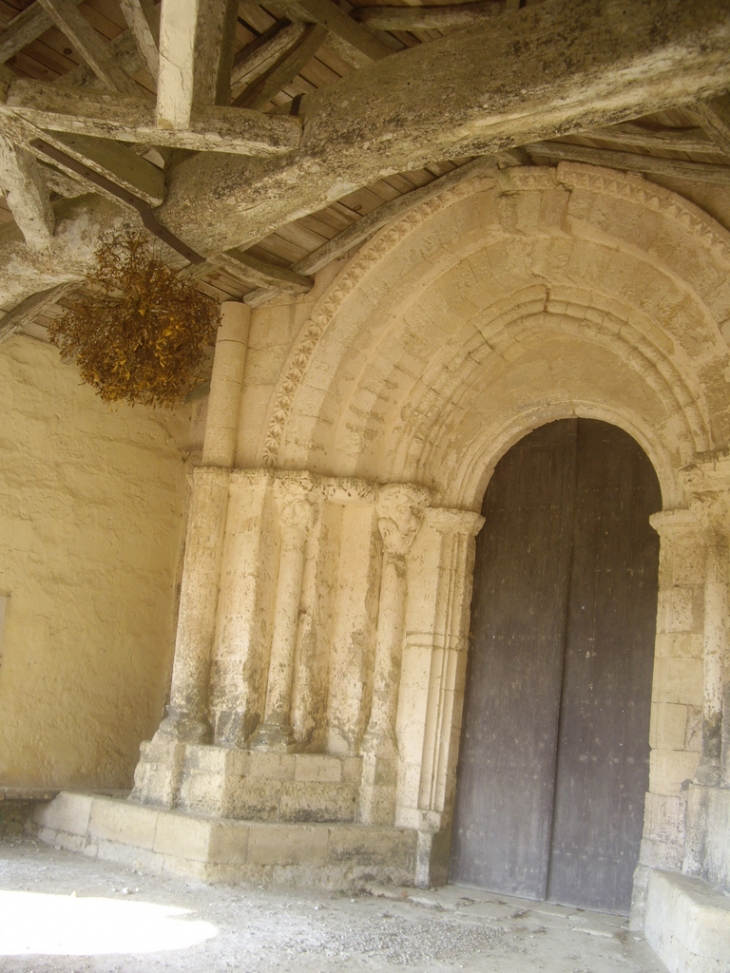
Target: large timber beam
[
  {"x": 26, "y": 193},
  {"x": 196, "y": 56},
  {"x": 561, "y": 66}
]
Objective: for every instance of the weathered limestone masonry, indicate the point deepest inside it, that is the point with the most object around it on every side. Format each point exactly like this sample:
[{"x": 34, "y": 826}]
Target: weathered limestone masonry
[{"x": 315, "y": 712}]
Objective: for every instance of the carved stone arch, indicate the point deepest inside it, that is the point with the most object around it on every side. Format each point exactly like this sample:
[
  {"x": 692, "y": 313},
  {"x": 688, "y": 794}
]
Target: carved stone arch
[{"x": 655, "y": 296}]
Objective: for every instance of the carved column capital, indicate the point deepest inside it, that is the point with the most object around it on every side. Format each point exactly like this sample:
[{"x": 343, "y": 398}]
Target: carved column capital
[
  {"x": 296, "y": 503},
  {"x": 400, "y": 509},
  {"x": 707, "y": 486}
]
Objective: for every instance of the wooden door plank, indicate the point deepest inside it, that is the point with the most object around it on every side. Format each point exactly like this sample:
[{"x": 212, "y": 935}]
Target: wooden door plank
[
  {"x": 603, "y": 751},
  {"x": 507, "y": 759}
]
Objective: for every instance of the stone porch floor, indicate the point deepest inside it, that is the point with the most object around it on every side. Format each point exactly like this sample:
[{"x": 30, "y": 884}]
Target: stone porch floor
[{"x": 63, "y": 913}]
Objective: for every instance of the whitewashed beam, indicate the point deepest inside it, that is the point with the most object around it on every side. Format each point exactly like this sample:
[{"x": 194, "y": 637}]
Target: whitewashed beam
[
  {"x": 143, "y": 19},
  {"x": 196, "y": 57},
  {"x": 23, "y": 29},
  {"x": 714, "y": 115},
  {"x": 60, "y": 183},
  {"x": 719, "y": 175},
  {"x": 262, "y": 53},
  {"x": 102, "y": 156},
  {"x": 89, "y": 45},
  {"x": 26, "y": 193},
  {"x": 83, "y": 111},
  {"x": 459, "y": 15}
]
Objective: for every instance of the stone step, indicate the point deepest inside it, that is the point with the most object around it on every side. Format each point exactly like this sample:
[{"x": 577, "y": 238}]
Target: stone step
[
  {"x": 209, "y": 849},
  {"x": 688, "y": 923}
]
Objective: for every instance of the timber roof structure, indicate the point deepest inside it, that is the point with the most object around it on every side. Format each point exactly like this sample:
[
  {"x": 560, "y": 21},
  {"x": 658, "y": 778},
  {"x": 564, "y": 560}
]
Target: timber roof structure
[{"x": 259, "y": 142}]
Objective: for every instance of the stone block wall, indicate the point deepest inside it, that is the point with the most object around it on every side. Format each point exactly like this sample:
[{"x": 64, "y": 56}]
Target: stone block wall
[{"x": 91, "y": 511}]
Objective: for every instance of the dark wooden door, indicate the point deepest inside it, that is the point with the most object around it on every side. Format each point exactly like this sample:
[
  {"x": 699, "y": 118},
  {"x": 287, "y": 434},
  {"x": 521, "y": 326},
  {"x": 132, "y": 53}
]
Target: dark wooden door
[{"x": 554, "y": 754}]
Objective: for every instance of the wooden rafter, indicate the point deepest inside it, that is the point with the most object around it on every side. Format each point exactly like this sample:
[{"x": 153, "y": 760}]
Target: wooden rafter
[
  {"x": 668, "y": 139},
  {"x": 15, "y": 320},
  {"x": 89, "y": 44},
  {"x": 262, "y": 53},
  {"x": 714, "y": 115},
  {"x": 23, "y": 29},
  {"x": 26, "y": 193},
  {"x": 632, "y": 162},
  {"x": 285, "y": 69},
  {"x": 143, "y": 19},
  {"x": 458, "y": 15},
  {"x": 82, "y": 111},
  {"x": 196, "y": 56},
  {"x": 353, "y": 41}
]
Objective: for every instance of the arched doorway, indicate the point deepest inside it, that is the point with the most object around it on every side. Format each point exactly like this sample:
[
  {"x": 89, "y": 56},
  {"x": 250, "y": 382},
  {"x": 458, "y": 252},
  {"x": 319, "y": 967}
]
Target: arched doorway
[{"x": 554, "y": 759}]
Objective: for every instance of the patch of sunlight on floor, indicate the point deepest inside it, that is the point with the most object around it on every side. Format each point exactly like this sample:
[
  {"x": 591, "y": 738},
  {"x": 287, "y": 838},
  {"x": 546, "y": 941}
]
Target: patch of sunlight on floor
[{"x": 64, "y": 925}]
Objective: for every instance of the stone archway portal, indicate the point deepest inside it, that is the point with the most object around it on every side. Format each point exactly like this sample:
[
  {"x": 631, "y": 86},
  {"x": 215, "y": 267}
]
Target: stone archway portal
[{"x": 554, "y": 759}]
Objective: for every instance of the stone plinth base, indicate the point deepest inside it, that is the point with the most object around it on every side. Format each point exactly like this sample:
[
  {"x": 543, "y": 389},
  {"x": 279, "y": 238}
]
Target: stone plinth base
[
  {"x": 244, "y": 784},
  {"x": 687, "y": 924},
  {"x": 222, "y": 850}
]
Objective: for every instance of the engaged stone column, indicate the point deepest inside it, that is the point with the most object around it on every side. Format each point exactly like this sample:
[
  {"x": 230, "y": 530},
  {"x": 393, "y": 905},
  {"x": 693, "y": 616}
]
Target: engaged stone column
[
  {"x": 158, "y": 772},
  {"x": 400, "y": 511},
  {"x": 297, "y": 515},
  {"x": 715, "y": 651}
]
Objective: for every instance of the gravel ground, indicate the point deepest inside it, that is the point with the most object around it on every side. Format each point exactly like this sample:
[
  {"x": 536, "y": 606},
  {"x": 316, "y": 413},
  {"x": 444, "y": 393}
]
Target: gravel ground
[{"x": 63, "y": 913}]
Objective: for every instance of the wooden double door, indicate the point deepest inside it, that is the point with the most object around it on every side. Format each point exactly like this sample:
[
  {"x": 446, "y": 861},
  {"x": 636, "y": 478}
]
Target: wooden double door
[{"x": 554, "y": 758}]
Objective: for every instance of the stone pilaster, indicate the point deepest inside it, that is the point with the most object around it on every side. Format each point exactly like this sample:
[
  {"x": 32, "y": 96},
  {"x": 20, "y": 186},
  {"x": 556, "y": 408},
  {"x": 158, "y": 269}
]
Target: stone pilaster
[
  {"x": 399, "y": 513},
  {"x": 297, "y": 513}
]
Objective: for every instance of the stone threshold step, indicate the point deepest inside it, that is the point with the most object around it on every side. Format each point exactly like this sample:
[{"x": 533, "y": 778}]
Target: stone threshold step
[
  {"x": 688, "y": 923},
  {"x": 161, "y": 841}
]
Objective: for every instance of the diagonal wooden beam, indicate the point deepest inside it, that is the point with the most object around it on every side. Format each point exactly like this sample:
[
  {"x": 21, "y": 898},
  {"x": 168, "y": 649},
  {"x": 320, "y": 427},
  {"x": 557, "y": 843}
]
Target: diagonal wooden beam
[
  {"x": 719, "y": 175},
  {"x": 83, "y": 111},
  {"x": 714, "y": 115},
  {"x": 262, "y": 53},
  {"x": 143, "y": 19},
  {"x": 26, "y": 193},
  {"x": 89, "y": 44},
  {"x": 459, "y": 15},
  {"x": 253, "y": 272},
  {"x": 674, "y": 140},
  {"x": 14, "y": 321},
  {"x": 23, "y": 29},
  {"x": 351, "y": 40},
  {"x": 196, "y": 57},
  {"x": 285, "y": 69}
]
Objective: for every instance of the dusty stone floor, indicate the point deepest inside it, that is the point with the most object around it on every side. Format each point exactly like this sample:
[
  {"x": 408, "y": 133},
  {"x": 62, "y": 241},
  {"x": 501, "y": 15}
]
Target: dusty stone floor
[{"x": 63, "y": 913}]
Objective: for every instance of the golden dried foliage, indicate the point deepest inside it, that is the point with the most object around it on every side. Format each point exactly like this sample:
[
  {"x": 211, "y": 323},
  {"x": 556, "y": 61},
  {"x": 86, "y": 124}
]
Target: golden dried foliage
[{"x": 138, "y": 333}]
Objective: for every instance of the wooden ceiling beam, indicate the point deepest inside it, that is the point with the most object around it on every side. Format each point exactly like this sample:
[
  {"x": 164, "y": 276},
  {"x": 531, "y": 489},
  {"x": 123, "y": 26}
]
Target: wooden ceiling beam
[
  {"x": 253, "y": 272},
  {"x": 143, "y": 19},
  {"x": 196, "y": 57},
  {"x": 23, "y": 29},
  {"x": 284, "y": 70},
  {"x": 459, "y": 15},
  {"x": 667, "y": 139},
  {"x": 15, "y": 320},
  {"x": 263, "y": 53},
  {"x": 632, "y": 162},
  {"x": 714, "y": 115},
  {"x": 26, "y": 193},
  {"x": 89, "y": 45},
  {"x": 83, "y": 111},
  {"x": 352, "y": 41}
]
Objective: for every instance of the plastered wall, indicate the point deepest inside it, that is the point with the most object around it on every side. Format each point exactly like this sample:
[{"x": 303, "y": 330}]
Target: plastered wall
[{"x": 92, "y": 503}]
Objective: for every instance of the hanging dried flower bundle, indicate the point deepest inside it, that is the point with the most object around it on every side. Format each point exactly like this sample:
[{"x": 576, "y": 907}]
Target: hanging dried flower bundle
[{"x": 138, "y": 333}]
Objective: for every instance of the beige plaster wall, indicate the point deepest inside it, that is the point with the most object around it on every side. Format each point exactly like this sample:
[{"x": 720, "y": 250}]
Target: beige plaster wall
[{"x": 91, "y": 514}]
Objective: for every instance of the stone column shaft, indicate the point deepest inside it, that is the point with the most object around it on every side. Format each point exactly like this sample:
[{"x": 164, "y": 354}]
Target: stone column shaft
[
  {"x": 715, "y": 651},
  {"x": 400, "y": 511},
  {"x": 296, "y": 519}
]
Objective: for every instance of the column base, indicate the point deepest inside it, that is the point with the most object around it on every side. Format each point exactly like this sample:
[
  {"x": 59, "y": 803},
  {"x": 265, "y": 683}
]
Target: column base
[
  {"x": 273, "y": 737},
  {"x": 158, "y": 775}
]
